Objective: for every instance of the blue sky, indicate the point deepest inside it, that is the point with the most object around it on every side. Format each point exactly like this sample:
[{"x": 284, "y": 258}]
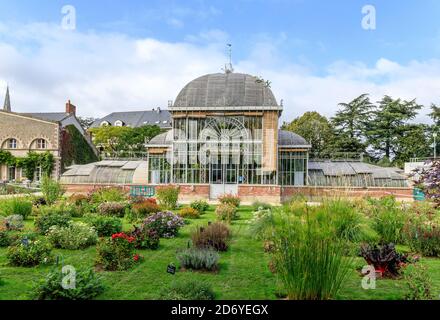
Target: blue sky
[{"x": 316, "y": 39}]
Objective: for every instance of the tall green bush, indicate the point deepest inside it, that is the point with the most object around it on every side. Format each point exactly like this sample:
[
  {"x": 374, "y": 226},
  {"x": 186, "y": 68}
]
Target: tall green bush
[
  {"x": 168, "y": 196},
  {"x": 52, "y": 190},
  {"x": 16, "y": 206}
]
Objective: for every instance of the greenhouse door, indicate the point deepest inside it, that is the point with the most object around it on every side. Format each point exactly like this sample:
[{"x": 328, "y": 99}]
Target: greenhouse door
[{"x": 223, "y": 180}]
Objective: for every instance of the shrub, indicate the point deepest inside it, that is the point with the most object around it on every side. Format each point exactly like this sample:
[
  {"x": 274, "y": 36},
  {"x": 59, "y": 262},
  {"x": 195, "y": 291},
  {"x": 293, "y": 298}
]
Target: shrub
[
  {"x": 39, "y": 201},
  {"x": 188, "y": 290},
  {"x": 166, "y": 224},
  {"x": 5, "y": 238},
  {"x": 168, "y": 196},
  {"x": 144, "y": 208},
  {"x": 78, "y": 199},
  {"x": 189, "y": 212},
  {"x": 116, "y": 209},
  {"x": 77, "y": 235},
  {"x": 112, "y": 194},
  {"x": 428, "y": 181},
  {"x": 199, "y": 259},
  {"x": 226, "y": 212},
  {"x": 104, "y": 226},
  {"x": 51, "y": 217},
  {"x": 87, "y": 286},
  {"x": 261, "y": 224},
  {"x": 52, "y": 190},
  {"x": 145, "y": 238},
  {"x": 200, "y": 205},
  {"x": 16, "y": 206},
  {"x": 385, "y": 259},
  {"x": 12, "y": 223},
  {"x": 257, "y": 206},
  {"x": 423, "y": 237},
  {"x": 418, "y": 282},
  {"x": 230, "y": 199},
  {"x": 29, "y": 254},
  {"x": 216, "y": 236},
  {"x": 116, "y": 253},
  {"x": 303, "y": 247}
]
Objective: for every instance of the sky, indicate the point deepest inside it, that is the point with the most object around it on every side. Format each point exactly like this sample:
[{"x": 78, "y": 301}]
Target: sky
[{"x": 137, "y": 55}]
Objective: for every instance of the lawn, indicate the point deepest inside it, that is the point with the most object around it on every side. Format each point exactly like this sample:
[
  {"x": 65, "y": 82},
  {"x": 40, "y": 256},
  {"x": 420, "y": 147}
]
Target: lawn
[{"x": 243, "y": 274}]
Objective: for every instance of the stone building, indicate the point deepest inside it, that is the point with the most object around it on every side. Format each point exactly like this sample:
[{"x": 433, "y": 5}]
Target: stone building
[{"x": 21, "y": 133}]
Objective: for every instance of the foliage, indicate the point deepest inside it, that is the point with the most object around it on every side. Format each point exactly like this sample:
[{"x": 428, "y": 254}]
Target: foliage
[
  {"x": 143, "y": 208},
  {"x": 188, "y": 290},
  {"x": 16, "y": 206},
  {"x": 189, "y": 212},
  {"x": 166, "y": 224},
  {"x": 428, "y": 180},
  {"x": 5, "y": 238},
  {"x": 33, "y": 160},
  {"x": 75, "y": 149},
  {"x": 52, "y": 190},
  {"x": 86, "y": 122},
  {"x": 309, "y": 262},
  {"x": 418, "y": 282},
  {"x": 385, "y": 259},
  {"x": 199, "y": 259},
  {"x": 77, "y": 235},
  {"x": 104, "y": 226},
  {"x": 122, "y": 139},
  {"x": 145, "y": 238},
  {"x": 230, "y": 199},
  {"x": 111, "y": 194},
  {"x": 168, "y": 196},
  {"x": 115, "y": 209},
  {"x": 200, "y": 205},
  {"x": 12, "y": 223},
  {"x": 261, "y": 224},
  {"x": 315, "y": 128},
  {"x": 258, "y": 205},
  {"x": 226, "y": 212},
  {"x": 49, "y": 217},
  {"x": 87, "y": 286},
  {"x": 423, "y": 236},
  {"x": 28, "y": 255},
  {"x": 78, "y": 199},
  {"x": 116, "y": 253},
  {"x": 216, "y": 235}
]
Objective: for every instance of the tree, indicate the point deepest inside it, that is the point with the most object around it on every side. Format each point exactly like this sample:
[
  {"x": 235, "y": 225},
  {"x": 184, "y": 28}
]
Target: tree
[
  {"x": 86, "y": 122},
  {"x": 350, "y": 125},
  {"x": 435, "y": 115},
  {"x": 414, "y": 143},
  {"x": 123, "y": 139},
  {"x": 389, "y": 132},
  {"x": 313, "y": 127}
]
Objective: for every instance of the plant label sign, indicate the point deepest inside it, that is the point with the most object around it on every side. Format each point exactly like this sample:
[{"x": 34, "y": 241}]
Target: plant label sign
[{"x": 171, "y": 269}]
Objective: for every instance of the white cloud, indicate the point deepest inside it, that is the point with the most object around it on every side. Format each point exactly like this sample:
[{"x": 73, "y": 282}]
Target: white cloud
[{"x": 106, "y": 72}]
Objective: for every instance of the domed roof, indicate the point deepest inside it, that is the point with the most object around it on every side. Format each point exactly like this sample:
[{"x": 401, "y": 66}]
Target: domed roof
[
  {"x": 226, "y": 91},
  {"x": 289, "y": 138},
  {"x": 161, "y": 139}
]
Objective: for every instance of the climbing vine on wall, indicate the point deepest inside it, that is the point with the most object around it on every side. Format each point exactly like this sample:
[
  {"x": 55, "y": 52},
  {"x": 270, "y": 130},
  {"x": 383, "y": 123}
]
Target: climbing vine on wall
[
  {"x": 75, "y": 149},
  {"x": 30, "y": 163}
]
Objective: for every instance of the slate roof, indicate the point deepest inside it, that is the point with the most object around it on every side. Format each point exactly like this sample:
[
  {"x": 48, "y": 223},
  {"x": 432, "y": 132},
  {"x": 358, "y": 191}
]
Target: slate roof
[
  {"x": 48, "y": 116},
  {"x": 135, "y": 119},
  {"x": 226, "y": 91},
  {"x": 288, "y": 138},
  {"x": 161, "y": 140}
]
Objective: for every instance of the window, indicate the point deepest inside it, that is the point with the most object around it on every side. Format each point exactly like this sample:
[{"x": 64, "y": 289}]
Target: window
[
  {"x": 12, "y": 144},
  {"x": 41, "y": 144},
  {"x": 104, "y": 124},
  {"x": 38, "y": 174},
  {"x": 119, "y": 123},
  {"x": 12, "y": 173}
]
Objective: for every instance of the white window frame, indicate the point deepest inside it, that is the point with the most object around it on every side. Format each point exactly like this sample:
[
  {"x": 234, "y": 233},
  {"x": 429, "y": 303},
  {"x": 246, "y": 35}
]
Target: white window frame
[
  {"x": 12, "y": 143},
  {"x": 41, "y": 144}
]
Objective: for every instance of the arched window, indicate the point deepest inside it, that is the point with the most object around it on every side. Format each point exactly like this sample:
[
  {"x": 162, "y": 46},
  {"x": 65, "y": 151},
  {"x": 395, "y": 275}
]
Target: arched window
[
  {"x": 119, "y": 123},
  {"x": 41, "y": 144},
  {"x": 104, "y": 124},
  {"x": 12, "y": 143}
]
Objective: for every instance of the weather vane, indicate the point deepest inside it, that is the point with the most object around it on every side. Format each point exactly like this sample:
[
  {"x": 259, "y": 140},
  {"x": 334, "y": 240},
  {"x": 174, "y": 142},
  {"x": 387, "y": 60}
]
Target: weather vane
[{"x": 228, "y": 67}]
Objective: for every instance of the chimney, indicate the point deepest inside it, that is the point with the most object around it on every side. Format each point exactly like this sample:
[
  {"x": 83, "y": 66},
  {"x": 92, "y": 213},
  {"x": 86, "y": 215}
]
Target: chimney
[{"x": 70, "y": 108}]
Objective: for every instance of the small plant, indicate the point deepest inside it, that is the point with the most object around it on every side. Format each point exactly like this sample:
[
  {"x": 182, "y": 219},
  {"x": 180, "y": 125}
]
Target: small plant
[
  {"x": 216, "y": 236},
  {"x": 112, "y": 194},
  {"x": 5, "y": 238},
  {"x": 188, "y": 290},
  {"x": 258, "y": 206},
  {"x": 199, "y": 259},
  {"x": 143, "y": 208},
  {"x": 200, "y": 205},
  {"x": 52, "y": 190},
  {"x": 189, "y": 212},
  {"x": 418, "y": 282},
  {"x": 16, "y": 206},
  {"x": 29, "y": 253},
  {"x": 422, "y": 234},
  {"x": 168, "y": 197},
  {"x": 230, "y": 199},
  {"x": 166, "y": 224},
  {"x": 116, "y": 253},
  {"x": 39, "y": 201},
  {"x": 104, "y": 226},
  {"x": 51, "y": 217},
  {"x": 226, "y": 212},
  {"x": 386, "y": 260},
  {"x": 12, "y": 223},
  {"x": 115, "y": 209},
  {"x": 78, "y": 199},
  {"x": 87, "y": 285},
  {"x": 145, "y": 238},
  {"x": 77, "y": 235}
]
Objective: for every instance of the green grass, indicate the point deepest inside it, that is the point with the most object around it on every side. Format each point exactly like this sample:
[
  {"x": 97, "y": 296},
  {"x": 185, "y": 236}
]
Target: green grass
[{"x": 243, "y": 274}]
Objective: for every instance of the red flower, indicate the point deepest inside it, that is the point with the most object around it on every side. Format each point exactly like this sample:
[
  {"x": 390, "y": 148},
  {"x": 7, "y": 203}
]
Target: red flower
[{"x": 136, "y": 257}]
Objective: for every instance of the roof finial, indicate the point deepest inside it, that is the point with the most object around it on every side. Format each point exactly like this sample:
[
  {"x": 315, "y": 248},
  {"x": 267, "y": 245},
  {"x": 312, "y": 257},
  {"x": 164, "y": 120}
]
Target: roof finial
[
  {"x": 7, "y": 104},
  {"x": 228, "y": 66}
]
